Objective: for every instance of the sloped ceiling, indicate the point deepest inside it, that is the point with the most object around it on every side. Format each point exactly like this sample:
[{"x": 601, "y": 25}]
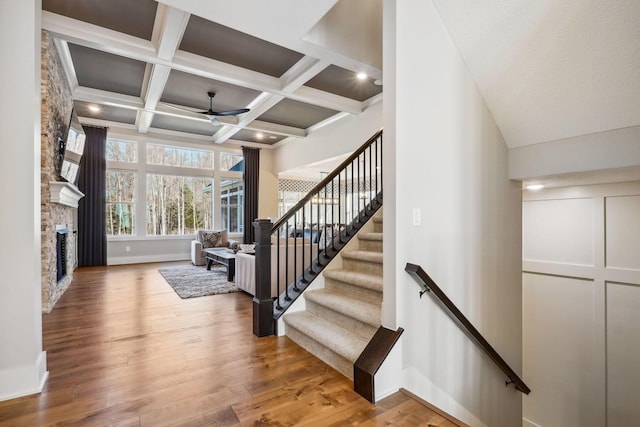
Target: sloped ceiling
[{"x": 551, "y": 69}]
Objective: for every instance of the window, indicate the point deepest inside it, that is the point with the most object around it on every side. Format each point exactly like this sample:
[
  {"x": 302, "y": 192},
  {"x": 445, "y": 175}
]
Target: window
[
  {"x": 231, "y": 162},
  {"x": 180, "y": 157},
  {"x": 121, "y": 151},
  {"x": 178, "y": 205},
  {"x": 231, "y": 203},
  {"x": 155, "y": 189},
  {"x": 120, "y": 203}
]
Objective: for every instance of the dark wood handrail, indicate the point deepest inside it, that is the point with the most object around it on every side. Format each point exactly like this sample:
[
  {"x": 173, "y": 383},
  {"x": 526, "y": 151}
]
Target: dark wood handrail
[
  {"x": 430, "y": 286},
  {"x": 322, "y": 184}
]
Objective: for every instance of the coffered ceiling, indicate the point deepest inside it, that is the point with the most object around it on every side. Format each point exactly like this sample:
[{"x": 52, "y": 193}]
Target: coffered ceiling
[
  {"x": 547, "y": 70},
  {"x": 148, "y": 66}
]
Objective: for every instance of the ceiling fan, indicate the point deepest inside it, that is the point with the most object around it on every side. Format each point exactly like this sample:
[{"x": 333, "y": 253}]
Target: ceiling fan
[{"x": 213, "y": 114}]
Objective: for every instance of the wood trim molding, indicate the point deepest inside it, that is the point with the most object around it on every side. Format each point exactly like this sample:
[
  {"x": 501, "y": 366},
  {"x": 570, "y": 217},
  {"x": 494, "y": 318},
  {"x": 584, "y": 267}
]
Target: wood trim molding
[
  {"x": 371, "y": 359},
  {"x": 65, "y": 193}
]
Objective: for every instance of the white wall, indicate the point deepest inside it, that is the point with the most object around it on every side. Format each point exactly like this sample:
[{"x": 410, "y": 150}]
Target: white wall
[
  {"x": 137, "y": 250},
  {"x": 22, "y": 361},
  {"x": 268, "y": 182},
  {"x": 581, "y": 298},
  {"x": 338, "y": 138},
  {"x": 451, "y": 163},
  {"x": 612, "y": 149}
]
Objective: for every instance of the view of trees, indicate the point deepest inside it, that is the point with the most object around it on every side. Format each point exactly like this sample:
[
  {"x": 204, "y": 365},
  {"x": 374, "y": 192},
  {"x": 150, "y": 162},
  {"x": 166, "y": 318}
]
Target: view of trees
[
  {"x": 177, "y": 200},
  {"x": 121, "y": 151},
  {"x": 231, "y": 162},
  {"x": 178, "y": 205},
  {"x": 121, "y": 187},
  {"x": 182, "y": 157}
]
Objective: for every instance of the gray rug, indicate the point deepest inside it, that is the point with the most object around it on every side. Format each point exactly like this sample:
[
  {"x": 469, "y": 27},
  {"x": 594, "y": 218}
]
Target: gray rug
[{"x": 190, "y": 281}]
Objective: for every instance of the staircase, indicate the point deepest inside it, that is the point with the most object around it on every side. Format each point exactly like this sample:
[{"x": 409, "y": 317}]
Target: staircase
[{"x": 341, "y": 318}]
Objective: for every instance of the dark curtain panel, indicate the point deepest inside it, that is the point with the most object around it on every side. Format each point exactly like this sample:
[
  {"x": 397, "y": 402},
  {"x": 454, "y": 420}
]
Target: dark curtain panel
[
  {"x": 251, "y": 174},
  {"x": 92, "y": 238}
]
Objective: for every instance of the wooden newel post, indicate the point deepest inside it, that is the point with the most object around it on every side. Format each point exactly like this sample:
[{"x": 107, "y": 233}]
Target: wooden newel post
[{"x": 263, "y": 322}]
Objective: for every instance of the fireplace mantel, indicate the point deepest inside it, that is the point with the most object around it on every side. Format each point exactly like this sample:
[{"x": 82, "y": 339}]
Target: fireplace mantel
[{"x": 65, "y": 193}]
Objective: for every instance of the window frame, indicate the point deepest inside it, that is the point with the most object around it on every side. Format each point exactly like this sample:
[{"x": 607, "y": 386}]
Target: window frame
[
  {"x": 128, "y": 203},
  {"x": 141, "y": 168},
  {"x": 146, "y": 205}
]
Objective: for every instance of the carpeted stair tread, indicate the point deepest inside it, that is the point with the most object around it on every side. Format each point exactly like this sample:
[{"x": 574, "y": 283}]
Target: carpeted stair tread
[
  {"x": 370, "y": 236},
  {"x": 335, "y": 338},
  {"x": 363, "y": 280},
  {"x": 342, "y": 303},
  {"x": 366, "y": 256}
]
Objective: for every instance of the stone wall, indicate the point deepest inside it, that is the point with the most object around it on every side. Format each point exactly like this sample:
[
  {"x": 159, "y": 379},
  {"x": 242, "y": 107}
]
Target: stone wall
[{"x": 55, "y": 113}]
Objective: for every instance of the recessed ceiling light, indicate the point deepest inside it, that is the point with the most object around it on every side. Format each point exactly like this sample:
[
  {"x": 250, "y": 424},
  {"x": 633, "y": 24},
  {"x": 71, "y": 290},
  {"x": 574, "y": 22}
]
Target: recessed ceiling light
[
  {"x": 361, "y": 76},
  {"x": 259, "y": 135},
  {"x": 535, "y": 187},
  {"x": 94, "y": 108},
  {"x": 273, "y": 137}
]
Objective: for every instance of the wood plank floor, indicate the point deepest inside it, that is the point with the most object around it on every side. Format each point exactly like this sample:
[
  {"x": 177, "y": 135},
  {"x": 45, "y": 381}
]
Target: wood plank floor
[{"x": 124, "y": 350}]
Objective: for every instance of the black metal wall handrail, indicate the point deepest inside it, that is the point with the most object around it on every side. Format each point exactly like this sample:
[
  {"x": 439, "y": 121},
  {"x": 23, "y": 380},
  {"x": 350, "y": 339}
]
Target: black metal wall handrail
[
  {"x": 428, "y": 285},
  {"x": 293, "y": 252}
]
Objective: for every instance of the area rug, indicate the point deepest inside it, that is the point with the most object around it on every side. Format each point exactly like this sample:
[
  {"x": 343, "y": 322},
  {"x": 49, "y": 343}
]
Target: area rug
[{"x": 190, "y": 281}]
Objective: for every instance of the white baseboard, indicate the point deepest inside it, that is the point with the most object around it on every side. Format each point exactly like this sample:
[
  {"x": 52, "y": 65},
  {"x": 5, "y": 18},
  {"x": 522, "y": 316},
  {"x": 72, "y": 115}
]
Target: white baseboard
[
  {"x": 24, "y": 380},
  {"x": 422, "y": 387},
  {"x": 147, "y": 258},
  {"x": 527, "y": 423}
]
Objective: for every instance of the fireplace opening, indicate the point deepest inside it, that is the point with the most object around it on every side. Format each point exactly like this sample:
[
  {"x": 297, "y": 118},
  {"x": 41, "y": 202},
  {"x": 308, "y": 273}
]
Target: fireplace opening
[{"x": 61, "y": 254}]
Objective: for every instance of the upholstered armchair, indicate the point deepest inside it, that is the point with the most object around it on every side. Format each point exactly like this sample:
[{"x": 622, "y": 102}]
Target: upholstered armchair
[{"x": 207, "y": 239}]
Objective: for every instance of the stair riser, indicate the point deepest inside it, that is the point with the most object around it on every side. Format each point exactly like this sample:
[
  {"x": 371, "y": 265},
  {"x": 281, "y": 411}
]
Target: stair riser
[
  {"x": 354, "y": 325},
  {"x": 370, "y": 245},
  {"x": 325, "y": 312},
  {"x": 358, "y": 292},
  {"x": 362, "y": 266},
  {"x": 339, "y": 363}
]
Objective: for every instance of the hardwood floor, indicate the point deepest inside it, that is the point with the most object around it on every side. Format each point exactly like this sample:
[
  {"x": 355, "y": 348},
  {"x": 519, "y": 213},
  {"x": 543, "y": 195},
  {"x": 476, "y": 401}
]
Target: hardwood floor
[{"x": 124, "y": 350}]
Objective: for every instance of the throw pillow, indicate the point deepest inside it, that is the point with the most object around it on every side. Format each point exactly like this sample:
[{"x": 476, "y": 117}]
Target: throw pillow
[{"x": 209, "y": 239}]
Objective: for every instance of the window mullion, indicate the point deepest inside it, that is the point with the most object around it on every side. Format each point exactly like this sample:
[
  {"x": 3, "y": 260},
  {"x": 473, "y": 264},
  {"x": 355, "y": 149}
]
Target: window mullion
[{"x": 215, "y": 199}]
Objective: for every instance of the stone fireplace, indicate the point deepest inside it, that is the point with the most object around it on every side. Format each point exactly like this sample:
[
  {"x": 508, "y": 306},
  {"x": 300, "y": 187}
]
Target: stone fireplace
[{"x": 59, "y": 200}]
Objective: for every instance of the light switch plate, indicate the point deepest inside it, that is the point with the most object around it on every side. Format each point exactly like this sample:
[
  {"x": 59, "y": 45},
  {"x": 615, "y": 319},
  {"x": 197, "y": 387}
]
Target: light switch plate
[{"x": 417, "y": 216}]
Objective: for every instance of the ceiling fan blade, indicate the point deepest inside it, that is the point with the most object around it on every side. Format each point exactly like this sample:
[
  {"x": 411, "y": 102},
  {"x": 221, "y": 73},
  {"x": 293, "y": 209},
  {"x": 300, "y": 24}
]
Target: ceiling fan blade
[
  {"x": 175, "y": 107},
  {"x": 228, "y": 113}
]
